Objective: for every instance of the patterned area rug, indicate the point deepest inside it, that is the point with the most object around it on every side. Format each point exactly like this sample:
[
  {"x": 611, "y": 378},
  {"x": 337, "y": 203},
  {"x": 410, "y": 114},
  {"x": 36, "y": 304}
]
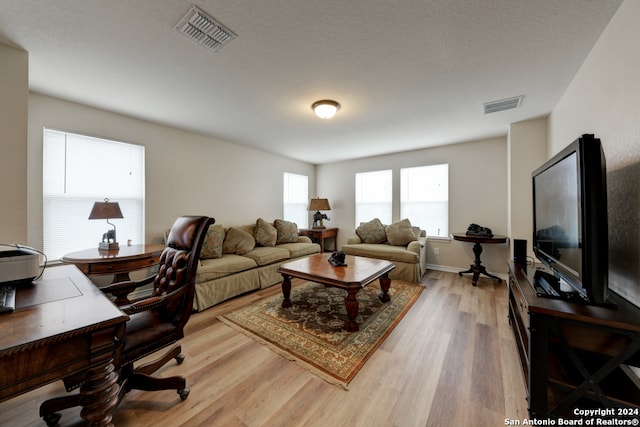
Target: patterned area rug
[{"x": 311, "y": 332}]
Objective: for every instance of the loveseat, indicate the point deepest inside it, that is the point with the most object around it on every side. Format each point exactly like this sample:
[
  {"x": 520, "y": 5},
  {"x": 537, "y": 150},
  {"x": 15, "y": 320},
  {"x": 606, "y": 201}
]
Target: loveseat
[
  {"x": 236, "y": 260},
  {"x": 400, "y": 243}
]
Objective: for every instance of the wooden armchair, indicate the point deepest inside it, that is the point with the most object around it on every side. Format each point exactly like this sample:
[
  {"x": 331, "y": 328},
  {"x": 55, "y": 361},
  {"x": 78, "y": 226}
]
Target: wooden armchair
[{"x": 154, "y": 322}]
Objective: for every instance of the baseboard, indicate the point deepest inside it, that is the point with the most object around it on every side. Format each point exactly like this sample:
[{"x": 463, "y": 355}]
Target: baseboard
[{"x": 449, "y": 269}]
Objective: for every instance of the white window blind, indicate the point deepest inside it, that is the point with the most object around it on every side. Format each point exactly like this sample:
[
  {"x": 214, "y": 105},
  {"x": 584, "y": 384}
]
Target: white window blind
[
  {"x": 79, "y": 170},
  {"x": 424, "y": 198},
  {"x": 374, "y": 194},
  {"x": 295, "y": 199}
]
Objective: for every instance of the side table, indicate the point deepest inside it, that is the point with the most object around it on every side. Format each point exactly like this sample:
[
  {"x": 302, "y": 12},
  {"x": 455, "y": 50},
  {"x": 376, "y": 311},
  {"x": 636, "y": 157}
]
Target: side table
[
  {"x": 477, "y": 268},
  {"x": 95, "y": 262},
  {"x": 318, "y": 235}
]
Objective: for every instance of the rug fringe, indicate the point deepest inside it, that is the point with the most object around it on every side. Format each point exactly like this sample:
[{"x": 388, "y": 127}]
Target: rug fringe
[{"x": 305, "y": 365}]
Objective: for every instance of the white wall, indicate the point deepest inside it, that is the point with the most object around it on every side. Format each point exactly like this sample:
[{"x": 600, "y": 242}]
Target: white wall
[
  {"x": 527, "y": 143},
  {"x": 14, "y": 92},
  {"x": 478, "y": 194},
  {"x": 603, "y": 99},
  {"x": 185, "y": 173}
]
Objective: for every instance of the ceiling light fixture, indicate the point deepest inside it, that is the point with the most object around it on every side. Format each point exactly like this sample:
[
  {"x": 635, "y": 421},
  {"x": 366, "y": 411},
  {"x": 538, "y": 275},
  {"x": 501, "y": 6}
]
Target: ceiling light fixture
[{"x": 326, "y": 108}]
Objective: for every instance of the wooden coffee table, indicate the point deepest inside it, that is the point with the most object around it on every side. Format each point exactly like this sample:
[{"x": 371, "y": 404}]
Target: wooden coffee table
[{"x": 358, "y": 273}]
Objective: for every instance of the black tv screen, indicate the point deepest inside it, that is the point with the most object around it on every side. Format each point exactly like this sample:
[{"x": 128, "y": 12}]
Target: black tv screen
[{"x": 570, "y": 220}]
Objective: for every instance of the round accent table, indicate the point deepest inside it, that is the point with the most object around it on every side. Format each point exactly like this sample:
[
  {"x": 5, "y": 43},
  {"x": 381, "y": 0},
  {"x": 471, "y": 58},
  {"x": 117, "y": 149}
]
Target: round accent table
[
  {"x": 95, "y": 262},
  {"x": 477, "y": 268}
]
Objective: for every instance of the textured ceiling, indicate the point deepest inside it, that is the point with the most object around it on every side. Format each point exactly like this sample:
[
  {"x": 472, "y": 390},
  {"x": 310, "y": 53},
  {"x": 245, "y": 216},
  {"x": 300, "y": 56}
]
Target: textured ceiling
[{"x": 409, "y": 74}]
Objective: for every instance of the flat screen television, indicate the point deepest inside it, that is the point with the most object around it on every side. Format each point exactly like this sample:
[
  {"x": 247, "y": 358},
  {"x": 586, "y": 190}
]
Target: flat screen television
[{"x": 570, "y": 227}]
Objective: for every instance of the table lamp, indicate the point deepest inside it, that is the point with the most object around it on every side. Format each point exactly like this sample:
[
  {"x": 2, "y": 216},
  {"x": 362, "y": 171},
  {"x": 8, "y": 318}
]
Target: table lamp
[
  {"x": 318, "y": 205},
  {"x": 107, "y": 210}
]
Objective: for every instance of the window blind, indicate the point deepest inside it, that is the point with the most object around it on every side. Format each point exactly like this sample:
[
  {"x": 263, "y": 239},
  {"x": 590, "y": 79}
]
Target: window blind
[
  {"x": 79, "y": 170},
  {"x": 296, "y": 198}
]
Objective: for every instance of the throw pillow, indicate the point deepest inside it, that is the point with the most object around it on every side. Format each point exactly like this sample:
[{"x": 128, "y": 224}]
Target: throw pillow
[
  {"x": 237, "y": 242},
  {"x": 212, "y": 245},
  {"x": 265, "y": 234},
  {"x": 287, "y": 231},
  {"x": 400, "y": 233},
  {"x": 371, "y": 232}
]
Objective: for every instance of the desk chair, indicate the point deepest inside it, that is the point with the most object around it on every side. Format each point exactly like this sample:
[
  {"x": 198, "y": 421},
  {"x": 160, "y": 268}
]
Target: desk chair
[{"x": 154, "y": 323}]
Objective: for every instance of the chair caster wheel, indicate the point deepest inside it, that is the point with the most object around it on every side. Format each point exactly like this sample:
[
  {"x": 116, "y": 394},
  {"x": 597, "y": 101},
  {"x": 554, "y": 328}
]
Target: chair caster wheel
[
  {"x": 184, "y": 393},
  {"x": 52, "y": 419},
  {"x": 180, "y": 359}
]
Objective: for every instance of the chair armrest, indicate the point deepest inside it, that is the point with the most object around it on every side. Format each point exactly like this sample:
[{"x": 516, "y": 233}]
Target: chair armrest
[
  {"x": 121, "y": 290},
  {"x": 304, "y": 239},
  {"x": 144, "y": 305},
  {"x": 354, "y": 239}
]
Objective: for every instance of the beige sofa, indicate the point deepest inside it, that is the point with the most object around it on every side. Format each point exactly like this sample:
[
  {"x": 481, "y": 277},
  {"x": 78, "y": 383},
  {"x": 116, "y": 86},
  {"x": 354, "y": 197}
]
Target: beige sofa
[
  {"x": 236, "y": 260},
  {"x": 399, "y": 243}
]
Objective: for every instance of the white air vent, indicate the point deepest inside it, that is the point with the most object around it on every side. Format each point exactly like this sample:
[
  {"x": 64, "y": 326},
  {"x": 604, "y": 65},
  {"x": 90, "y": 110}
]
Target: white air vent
[
  {"x": 503, "y": 104},
  {"x": 202, "y": 28}
]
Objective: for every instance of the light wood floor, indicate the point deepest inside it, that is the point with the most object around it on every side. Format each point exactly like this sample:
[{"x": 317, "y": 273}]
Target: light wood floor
[{"x": 450, "y": 362}]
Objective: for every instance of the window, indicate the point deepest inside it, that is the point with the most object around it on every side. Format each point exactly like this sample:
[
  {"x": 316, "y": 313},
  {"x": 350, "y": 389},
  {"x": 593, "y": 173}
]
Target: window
[
  {"x": 374, "y": 195},
  {"x": 79, "y": 170},
  {"x": 424, "y": 198},
  {"x": 295, "y": 199}
]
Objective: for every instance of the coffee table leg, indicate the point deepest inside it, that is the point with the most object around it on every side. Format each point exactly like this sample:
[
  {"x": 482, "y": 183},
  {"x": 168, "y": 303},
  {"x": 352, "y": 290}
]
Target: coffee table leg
[
  {"x": 385, "y": 284},
  {"x": 352, "y": 305},
  {"x": 286, "y": 291}
]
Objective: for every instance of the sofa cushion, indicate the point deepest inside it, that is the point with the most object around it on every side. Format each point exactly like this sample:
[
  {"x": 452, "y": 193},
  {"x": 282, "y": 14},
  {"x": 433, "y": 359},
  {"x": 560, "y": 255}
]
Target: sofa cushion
[
  {"x": 371, "y": 232},
  {"x": 287, "y": 231},
  {"x": 265, "y": 233},
  {"x": 212, "y": 245},
  {"x": 299, "y": 249},
  {"x": 237, "y": 242},
  {"x": 264, "y": 256},
  {"x": 228, "y": 264},
  {"x": 400, "y": 233},
  {"x": 384, "y": 251}
]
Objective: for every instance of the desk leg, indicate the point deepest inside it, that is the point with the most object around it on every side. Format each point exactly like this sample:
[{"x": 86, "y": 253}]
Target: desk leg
[
  {"x": 99, "y": 395},
  {"x": 477, "y": 268}
]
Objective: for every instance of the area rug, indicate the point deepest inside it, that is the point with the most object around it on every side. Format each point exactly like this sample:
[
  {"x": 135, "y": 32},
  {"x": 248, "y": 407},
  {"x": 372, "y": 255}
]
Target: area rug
[{"x": 311, "y": 331}]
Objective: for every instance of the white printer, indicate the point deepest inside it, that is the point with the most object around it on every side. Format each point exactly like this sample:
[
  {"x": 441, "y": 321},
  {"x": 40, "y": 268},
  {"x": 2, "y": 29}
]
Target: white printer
[{"x": 19, "y": 265}]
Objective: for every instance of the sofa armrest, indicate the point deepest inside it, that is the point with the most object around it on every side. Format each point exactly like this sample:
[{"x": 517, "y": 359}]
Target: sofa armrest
[
  {"x": 304, "y": 239},
  {"x": 354, "y": 239},
  {"x": 417, "y": 245}
]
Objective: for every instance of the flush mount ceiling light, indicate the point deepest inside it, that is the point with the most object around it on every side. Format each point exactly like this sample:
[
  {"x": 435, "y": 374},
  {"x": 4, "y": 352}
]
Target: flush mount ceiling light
[{"x": 326, "y": 108}]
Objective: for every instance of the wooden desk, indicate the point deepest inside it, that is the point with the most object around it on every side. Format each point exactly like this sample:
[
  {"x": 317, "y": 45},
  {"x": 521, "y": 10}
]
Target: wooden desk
[
  {"x": 318, "y": 235},
  {"x": 477, "y": 268},
  {"x": 94, "y": 262},
  {"x": 63, "y": 326}
]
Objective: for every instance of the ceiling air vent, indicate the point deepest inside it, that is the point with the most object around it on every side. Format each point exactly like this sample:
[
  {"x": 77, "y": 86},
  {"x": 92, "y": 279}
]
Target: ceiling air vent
[
  {"x": 202, "y": 28},
  {"x": 503, "y": 104}
]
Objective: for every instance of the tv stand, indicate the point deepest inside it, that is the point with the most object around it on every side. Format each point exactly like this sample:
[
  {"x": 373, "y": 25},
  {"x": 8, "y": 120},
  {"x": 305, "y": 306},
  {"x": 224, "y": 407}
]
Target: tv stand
[
  {"x": 573, "y": 355},
  {"x": 546, "y": 285}
]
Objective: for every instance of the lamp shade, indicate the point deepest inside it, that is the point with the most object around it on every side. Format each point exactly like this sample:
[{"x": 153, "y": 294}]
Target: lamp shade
[
  {"x": 326, "y": 108},
  {"x": 105, "y": 210},
  {"x": 318, "y": 204}
]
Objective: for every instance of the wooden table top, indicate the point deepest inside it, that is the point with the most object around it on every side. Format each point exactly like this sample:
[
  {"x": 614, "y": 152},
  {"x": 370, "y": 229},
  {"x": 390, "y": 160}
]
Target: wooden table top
[
  {"x": 464, "y": 237},
  {"x": 124, "y": 253},
  {"x": 359, "y": 271}
]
